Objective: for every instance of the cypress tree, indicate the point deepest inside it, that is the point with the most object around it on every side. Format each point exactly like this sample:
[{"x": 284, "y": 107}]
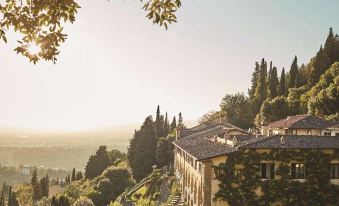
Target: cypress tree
[
  {"x": 166, "y": 126},
  {"x": 159, "y": 125},
  {"x": 44, "y": 186},
  {"x": 282, "y": 83},
  {"x": 173, "y": 125},
  {"x": 142, "y": 148},
  {"x": 273, "y": 83},
  {"x": 330, "y": 47},
  {"x": 261, "y": 92},
  {"x": 79, "y": 176},
  {"x": 254, "y": 80},
  {"x": 54, "y": 201},
  {"x": 318, "y": 66},
  {"x": 73, "y": 175},
  {"x": 12, "y": 200},
  {"x": 293, "y": 74},
  {"x": 2, "y": 198},
  {"x": 35, "y": 186}
]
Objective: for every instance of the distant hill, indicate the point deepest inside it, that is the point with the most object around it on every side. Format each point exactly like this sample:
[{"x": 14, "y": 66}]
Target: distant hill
[{"x": 61, "y": 149}]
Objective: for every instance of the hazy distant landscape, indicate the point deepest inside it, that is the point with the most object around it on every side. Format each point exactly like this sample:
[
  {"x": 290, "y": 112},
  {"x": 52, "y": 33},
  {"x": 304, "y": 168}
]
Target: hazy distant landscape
[{"x": 59, "y": 149}]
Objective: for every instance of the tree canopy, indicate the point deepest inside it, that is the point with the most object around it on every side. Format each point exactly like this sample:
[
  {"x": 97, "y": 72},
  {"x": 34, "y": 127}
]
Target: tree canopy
[{"x": 40, "y": 23}]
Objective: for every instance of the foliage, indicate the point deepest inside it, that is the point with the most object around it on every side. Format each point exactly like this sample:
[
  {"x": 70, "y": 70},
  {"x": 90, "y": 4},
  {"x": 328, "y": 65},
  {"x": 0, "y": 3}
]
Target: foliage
[
  {"x": 83, "y": 201},
  {"x": 41, "y": 23},
  {"x": 161, "y": 12},
  {"x": 164, "y": 151},
  {"x": 35, "y": 187},
  {"x": 312, "y": 88},
  {"x": 237, "y": 109},
  {"x": 210, "y": 115},
  {"x": 24, "y": 194},
  {"x": 102, "y": 189},
  {"x": 240, "y": 190},
  {"x": 324, "y": 96},
  {"x": 273, "y": 82},
  {"x": 12, "y": 199},
  {"x": 146, "y": 202},
  {"x": 60, "y": 201},
  {"x": 141, "y": 151},
  {"x": 97, "y": 163},
  {"x": 293, "y": 75}
]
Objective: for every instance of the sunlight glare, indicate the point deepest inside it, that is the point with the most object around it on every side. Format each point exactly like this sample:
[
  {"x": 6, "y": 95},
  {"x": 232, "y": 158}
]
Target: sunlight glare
[{"x": 34, "y": 49}]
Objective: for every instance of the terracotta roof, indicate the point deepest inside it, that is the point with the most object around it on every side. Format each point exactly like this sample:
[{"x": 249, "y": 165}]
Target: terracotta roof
[
  {"x": 295, "y": 142},
  {"x": 201, "y": 145},
  {"x": 203, "y": 148},
  {"x": 301, "y": 121}
]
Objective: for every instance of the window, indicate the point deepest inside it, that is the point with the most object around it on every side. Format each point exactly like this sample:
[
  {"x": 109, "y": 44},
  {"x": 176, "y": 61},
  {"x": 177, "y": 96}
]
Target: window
[
  {"x": 334, "y": 170},
  {"x": 267, "y": 170},
  {"x": 327, "y": 133},
  {"x": 218, "y": 172},
  {"x": 298, "y": 171}
]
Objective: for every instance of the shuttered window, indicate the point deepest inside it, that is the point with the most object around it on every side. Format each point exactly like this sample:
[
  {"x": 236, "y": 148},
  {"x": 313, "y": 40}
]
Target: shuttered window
[
  {"x": 267, "y": 170},
  {"x": 334, "y": 170},
  {"x": 298, "y": 171}
]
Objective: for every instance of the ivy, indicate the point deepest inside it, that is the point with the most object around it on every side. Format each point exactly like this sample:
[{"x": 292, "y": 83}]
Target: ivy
[{"x": 315, "y": 190}]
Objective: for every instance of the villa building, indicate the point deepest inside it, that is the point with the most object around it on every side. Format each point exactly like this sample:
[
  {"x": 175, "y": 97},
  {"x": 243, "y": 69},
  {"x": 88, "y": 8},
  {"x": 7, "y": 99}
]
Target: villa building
[
  {"x": 203, "y": 152},
  {"x": 301, "y": 125}
]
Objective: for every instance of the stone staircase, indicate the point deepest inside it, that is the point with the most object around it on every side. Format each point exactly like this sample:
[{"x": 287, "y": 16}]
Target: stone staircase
[{"x": 176, "y": 201}]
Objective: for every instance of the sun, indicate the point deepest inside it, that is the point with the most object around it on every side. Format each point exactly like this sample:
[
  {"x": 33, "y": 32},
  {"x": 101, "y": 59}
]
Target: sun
[{"x": 33, "y": 48}]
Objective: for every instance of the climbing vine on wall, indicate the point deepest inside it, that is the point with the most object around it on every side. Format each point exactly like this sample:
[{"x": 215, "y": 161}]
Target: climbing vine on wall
[{"x": 238, "y": 188}]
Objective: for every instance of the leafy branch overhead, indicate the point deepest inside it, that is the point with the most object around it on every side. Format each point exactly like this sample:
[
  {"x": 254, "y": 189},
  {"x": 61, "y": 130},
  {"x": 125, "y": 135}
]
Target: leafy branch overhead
[{"x": 40, "y": 23}]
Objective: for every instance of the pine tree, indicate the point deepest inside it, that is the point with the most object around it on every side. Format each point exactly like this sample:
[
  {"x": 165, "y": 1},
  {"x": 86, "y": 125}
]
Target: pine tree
[
  {"x": 293, "y": 74},
  {"x": 282, "y": 84},
  {"x": 35, "y": 186},
  {"x": 73, "y": 175},
  {"x": 173, "y": 124},
  {"x": 273, "y": 83},
  {"x": 254, "y": 80}
]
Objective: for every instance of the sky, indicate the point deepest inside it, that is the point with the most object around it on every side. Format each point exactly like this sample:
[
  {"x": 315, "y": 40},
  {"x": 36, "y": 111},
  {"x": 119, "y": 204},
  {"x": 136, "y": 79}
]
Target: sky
[{"x": 116, "y": 66}]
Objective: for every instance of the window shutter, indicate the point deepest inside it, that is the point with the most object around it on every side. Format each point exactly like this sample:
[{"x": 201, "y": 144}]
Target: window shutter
[
  {"x": 272, "y": 172},
  {"x": 263, "y": 170},
  {"x": 293, "y": 171}
]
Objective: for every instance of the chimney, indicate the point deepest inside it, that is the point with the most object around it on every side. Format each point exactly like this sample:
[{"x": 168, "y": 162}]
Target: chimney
[
  {"x": 264, "y": 128},
  {"x": 178, "y": 133},
  {"x": 282, "y": 140}
]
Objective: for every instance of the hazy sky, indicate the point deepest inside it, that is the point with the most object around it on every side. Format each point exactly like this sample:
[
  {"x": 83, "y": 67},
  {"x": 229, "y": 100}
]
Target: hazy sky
[{"x": 116, "y": 67}]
